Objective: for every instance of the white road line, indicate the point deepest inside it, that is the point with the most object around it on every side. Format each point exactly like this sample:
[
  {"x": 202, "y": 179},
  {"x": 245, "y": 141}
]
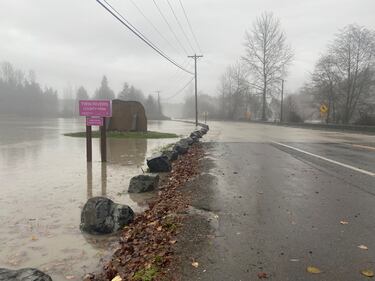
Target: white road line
[
  {"x": 363, "y": 146},
  {"x": 328, "y": 160}
]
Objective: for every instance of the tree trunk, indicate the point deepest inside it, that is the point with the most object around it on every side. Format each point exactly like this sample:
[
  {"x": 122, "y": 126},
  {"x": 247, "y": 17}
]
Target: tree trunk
[{"x": 264, "y": 102}]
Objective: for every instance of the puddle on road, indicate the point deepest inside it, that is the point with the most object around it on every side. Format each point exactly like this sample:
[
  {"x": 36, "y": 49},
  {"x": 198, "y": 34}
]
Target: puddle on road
[{"x": 45, "y": 182}]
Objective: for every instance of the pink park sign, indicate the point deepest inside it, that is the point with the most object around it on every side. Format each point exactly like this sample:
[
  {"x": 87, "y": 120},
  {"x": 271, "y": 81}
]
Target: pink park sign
[
  {"x": 94, "y": 121},
  {"x": 95, "y": 108}
]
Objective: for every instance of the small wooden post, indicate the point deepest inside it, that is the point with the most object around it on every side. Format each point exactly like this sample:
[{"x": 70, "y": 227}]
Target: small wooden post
[
  {"x": 103, "y": 141},
  {"x": 88, "y": 144}
]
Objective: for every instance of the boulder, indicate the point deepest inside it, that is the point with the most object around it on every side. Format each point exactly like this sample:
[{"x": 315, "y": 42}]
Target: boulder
[
  {"x": 181, "y": 147},
  {"x": 193, "y": 135},
  {"x": 194, "y": 138},
  {"x": 171, "y": 154},
  {"x": 206, "y": 127},
  {"x": 143, "y": 183},
  {"x": 101, "y": 215},
  {"x": 197, "y": 134},
  {"x": 188, "y": 140},
  {"x": 159, "y": 163},
  {"x": 204, "y": 130},
  {"x": 25, "y": 274}
]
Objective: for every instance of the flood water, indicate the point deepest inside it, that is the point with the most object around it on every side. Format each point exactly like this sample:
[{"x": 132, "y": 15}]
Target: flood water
[{"x": 45, "y": 182}]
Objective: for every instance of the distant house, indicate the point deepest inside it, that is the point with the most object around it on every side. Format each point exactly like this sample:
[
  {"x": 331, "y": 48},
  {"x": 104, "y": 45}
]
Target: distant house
[{"x": 127, "y": 116}]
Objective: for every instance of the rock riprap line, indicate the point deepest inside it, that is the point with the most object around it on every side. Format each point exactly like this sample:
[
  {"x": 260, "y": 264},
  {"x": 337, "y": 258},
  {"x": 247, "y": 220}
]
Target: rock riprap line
[
  {"x": 101, "y": 215},
  {"x": 181, "y": 147},
  {"x": 25, "y": 274},
  {"x": 143, "y": 183}
]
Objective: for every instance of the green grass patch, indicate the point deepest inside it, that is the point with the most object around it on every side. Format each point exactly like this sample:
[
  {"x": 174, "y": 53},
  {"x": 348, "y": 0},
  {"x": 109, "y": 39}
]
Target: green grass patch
[
  {"x": 148, "y": 274},
  {"x": 127, "y": 135}
]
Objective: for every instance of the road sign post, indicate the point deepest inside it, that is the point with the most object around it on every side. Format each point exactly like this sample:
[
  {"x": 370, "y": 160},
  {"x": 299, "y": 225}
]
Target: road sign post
[
  {"x": 323, "y": 111},
  {"x": 96, "y": 112}
]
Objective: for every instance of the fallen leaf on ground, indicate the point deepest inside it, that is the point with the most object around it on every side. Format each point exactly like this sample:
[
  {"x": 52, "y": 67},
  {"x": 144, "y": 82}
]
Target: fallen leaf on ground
[
  {"x": 34, "y": 238},
  {"x": 195, "y": 264},
  {"x": 70, "y": 277},
  {"x": 117, "y": 278},
  {"x": 173, "y": 242},
  {"x": 262, "y": 275},
  {"x": 294, "y": 260},
  {"x": 367, "y": 273},
  {"x": 313, "y": 270},
  {"x": 363, "y": 247},
  {"x": 344, "y": 222}
]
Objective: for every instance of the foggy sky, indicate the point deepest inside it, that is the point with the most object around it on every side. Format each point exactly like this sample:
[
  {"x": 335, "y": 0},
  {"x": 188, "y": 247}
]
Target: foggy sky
[{"x": 75, "y": 42}]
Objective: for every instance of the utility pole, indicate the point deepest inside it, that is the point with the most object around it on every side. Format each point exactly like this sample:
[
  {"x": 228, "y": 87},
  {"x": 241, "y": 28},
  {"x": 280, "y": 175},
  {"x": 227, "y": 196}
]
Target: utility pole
[
  {"x": 282, "y": 100},
  {"x": 195, "y": 57},
  {"x": 158, "y": 92}
]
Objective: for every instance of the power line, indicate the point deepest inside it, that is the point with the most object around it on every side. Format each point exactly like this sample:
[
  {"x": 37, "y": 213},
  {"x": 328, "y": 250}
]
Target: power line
[
  {"x": 154, "y": 27},
  {"x": 135, "y": 31},
  {"x": 170, "y": 27},
  {"x": 191, "y": 28},
  {"x": 179, "y": 91},
  {"x": 177, "y": 76},
  {"x": 180, "y": 25}
]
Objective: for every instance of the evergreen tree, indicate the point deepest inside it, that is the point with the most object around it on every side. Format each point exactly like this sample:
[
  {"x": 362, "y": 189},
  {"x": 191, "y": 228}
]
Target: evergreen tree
[{"x": 104, "y": 91}]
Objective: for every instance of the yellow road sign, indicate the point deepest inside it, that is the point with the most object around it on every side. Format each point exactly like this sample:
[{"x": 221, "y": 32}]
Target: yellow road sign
[{"x": 323, "y": 108}]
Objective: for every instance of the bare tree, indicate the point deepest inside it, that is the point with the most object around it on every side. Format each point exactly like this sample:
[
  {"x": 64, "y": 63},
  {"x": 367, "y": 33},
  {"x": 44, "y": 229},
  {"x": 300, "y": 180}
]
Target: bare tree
[
  {"x": 354, "y": 55},
  {"x": 267, "y": 54},
  {"x": 233, "y": 89}
]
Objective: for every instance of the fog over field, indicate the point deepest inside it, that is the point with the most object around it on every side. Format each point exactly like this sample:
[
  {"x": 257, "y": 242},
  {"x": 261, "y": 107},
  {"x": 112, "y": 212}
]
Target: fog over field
[{"x": 76, "y": 42}]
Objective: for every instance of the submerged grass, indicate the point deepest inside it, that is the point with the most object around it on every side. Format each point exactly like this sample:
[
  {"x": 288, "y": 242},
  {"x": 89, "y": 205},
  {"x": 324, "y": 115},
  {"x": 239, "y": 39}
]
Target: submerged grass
[{"x": 127, "y": 135}]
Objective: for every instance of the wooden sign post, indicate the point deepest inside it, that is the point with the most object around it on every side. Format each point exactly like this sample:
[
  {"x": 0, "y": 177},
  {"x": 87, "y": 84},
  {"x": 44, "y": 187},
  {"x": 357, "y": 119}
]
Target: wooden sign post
[
  {"x": 96, "y": 112},
  {"x": 103, "y": 141},
  {"x": 88, "y": 144}
]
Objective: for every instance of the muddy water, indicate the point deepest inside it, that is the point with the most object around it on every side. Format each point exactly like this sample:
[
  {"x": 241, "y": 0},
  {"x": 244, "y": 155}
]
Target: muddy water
[{"x": 44, "y": 182}]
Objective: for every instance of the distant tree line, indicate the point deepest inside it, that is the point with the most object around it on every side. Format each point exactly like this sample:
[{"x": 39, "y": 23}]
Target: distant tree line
[
  {"x": 21, "y": 95},
  {"x": 127, "y": 93}
]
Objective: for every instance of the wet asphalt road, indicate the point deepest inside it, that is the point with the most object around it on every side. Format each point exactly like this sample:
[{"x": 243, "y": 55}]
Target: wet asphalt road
[{"x": 275, "y": 197}]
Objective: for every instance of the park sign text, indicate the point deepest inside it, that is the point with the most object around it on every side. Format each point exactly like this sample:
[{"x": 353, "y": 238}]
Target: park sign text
[
  {"x": 94, "y": 121},
  {"x": 95, "y": 108}
]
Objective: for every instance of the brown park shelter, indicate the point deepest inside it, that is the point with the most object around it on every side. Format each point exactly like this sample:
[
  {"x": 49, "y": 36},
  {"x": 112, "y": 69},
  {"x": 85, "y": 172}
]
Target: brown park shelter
[{"x": 127, "y": 116}]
